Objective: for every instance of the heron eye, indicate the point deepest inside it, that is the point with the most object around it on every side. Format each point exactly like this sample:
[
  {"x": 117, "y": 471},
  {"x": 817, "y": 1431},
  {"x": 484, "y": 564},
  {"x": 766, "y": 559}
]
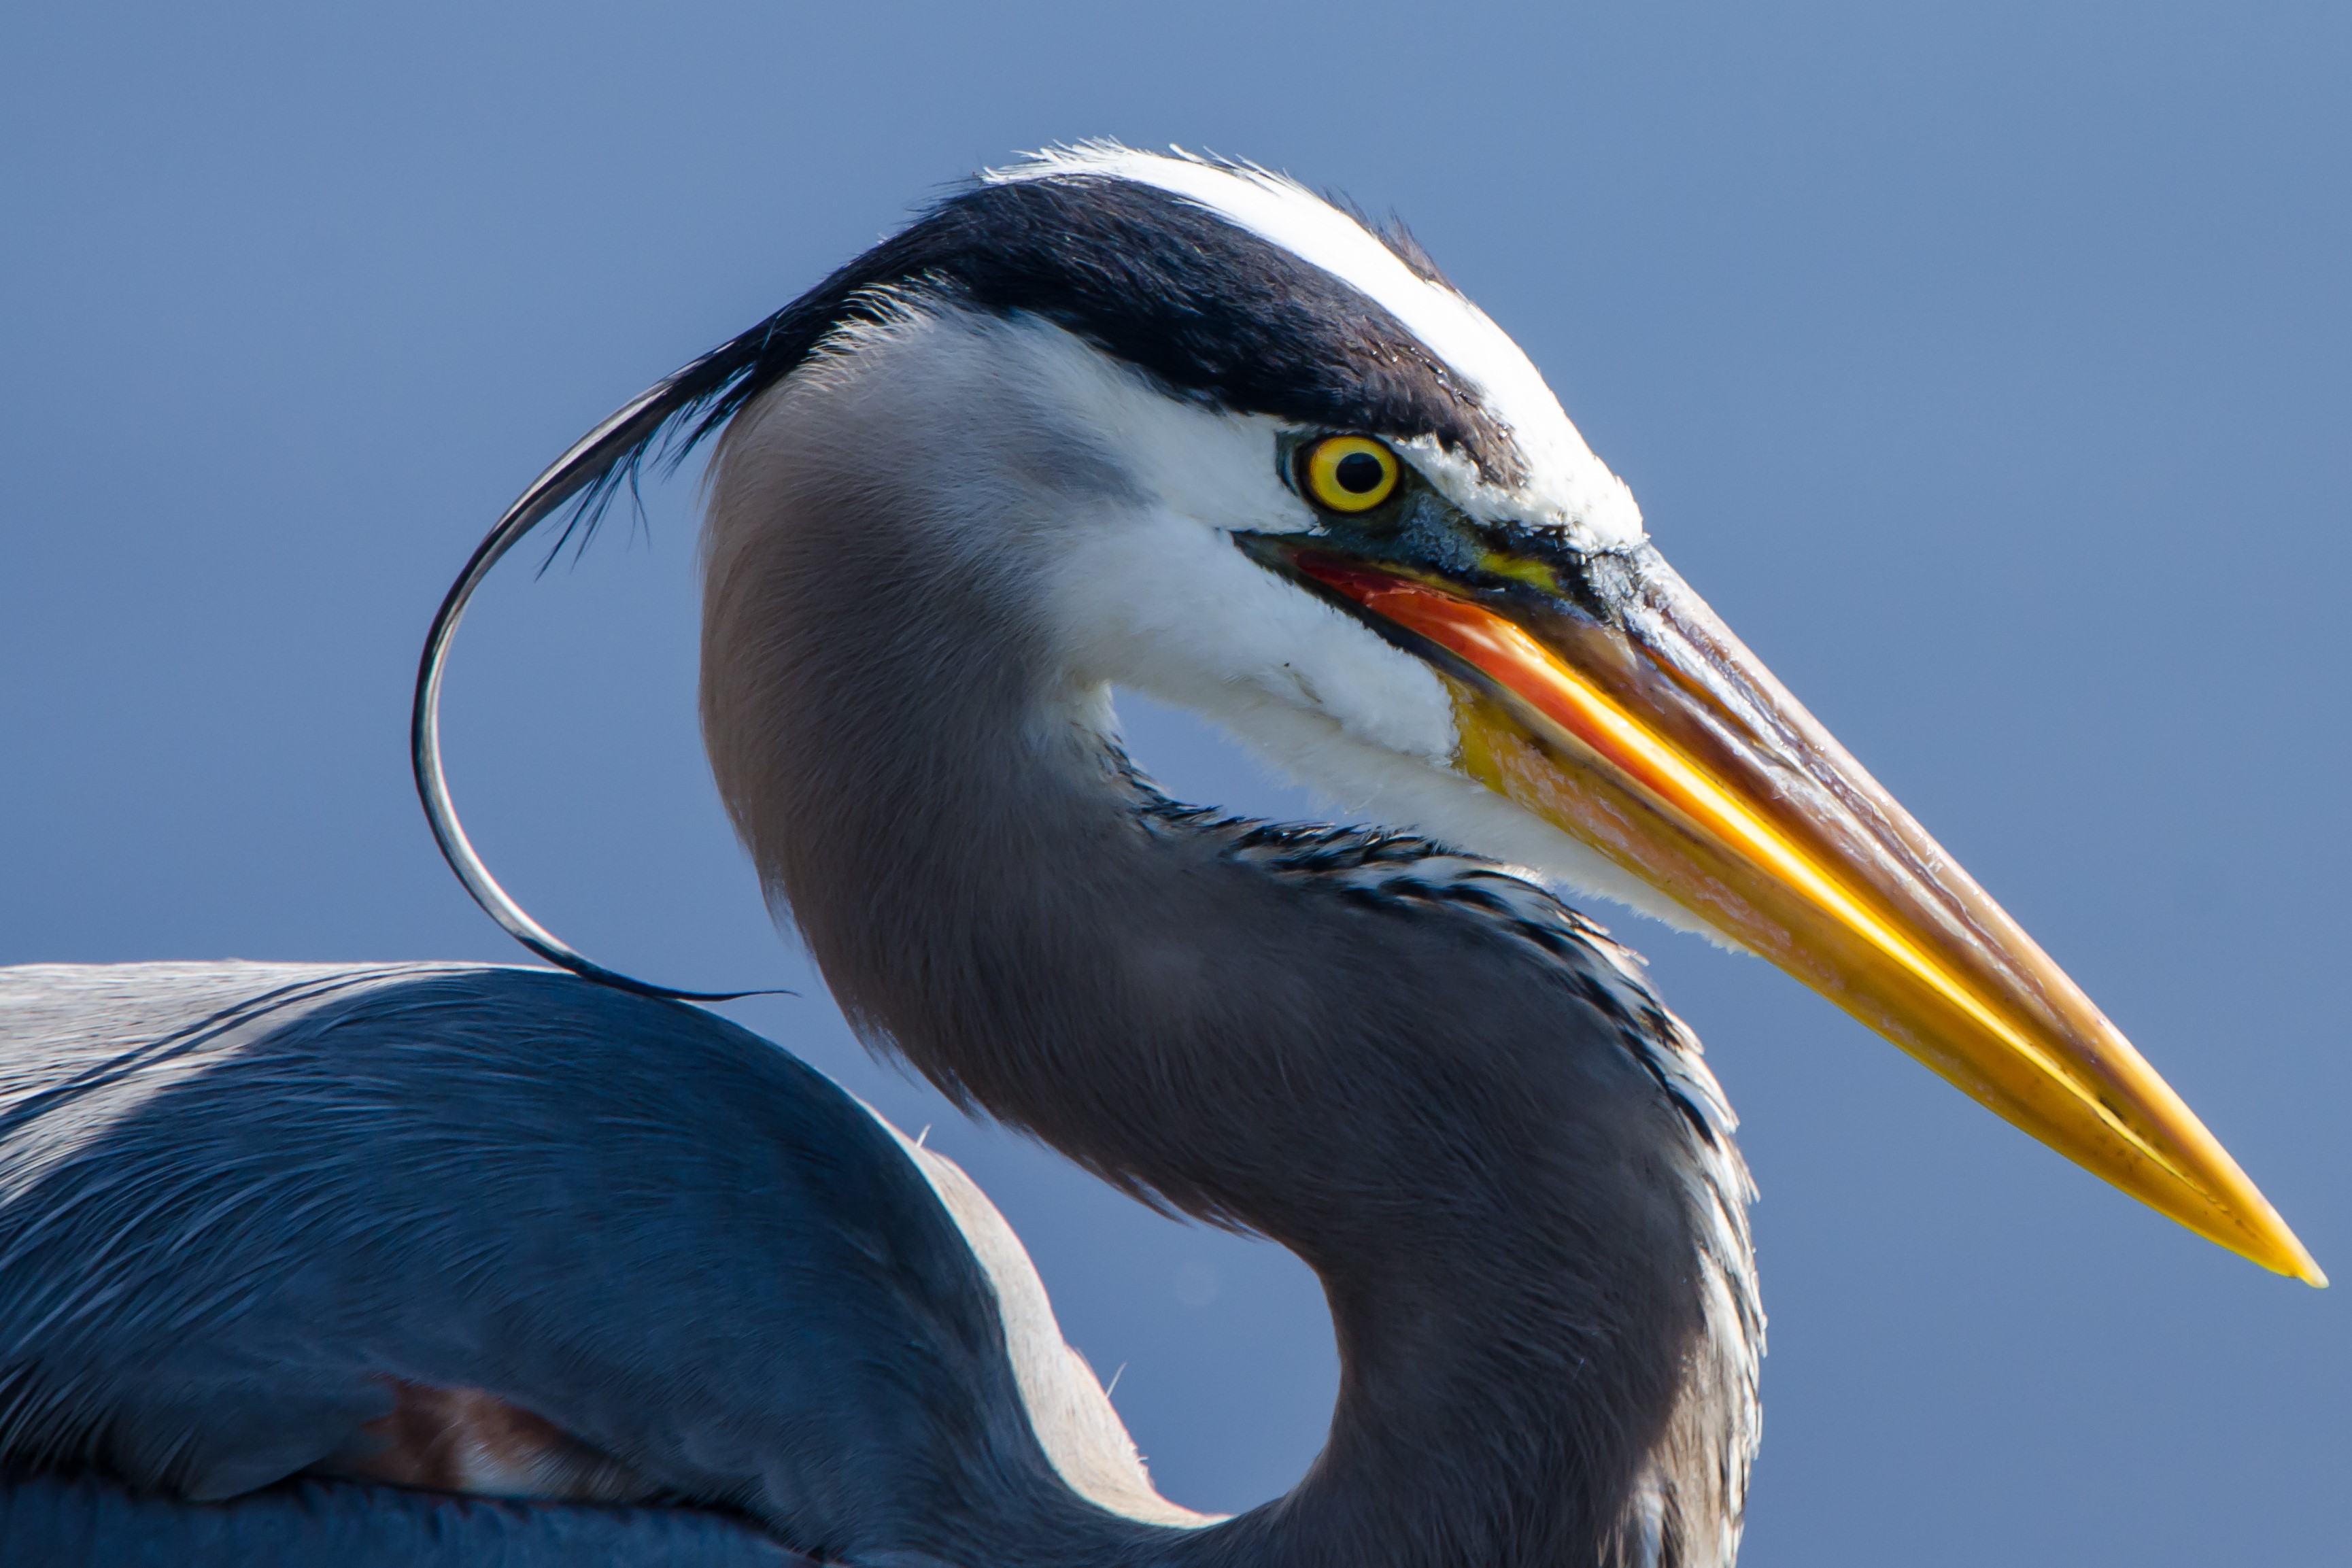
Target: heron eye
[{"x": 1351, "y": 473}]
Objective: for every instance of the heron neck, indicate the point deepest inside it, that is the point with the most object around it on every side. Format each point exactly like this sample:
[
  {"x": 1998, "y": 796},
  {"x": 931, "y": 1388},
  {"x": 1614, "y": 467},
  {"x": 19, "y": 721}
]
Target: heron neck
[{"x": 1452, "y": 1130}]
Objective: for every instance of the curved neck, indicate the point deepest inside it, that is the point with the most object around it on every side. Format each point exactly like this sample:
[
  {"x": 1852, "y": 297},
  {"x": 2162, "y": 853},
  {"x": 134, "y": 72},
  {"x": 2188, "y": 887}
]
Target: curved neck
[{"x": 1521, "y": 1226}]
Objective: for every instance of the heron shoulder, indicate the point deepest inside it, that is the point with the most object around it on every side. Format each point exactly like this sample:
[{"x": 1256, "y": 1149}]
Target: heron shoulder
[{"x": 242, "y": 1206}]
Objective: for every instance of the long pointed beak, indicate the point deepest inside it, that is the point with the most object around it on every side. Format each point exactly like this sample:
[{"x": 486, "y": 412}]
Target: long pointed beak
[{"x": 1638, "y": 724}]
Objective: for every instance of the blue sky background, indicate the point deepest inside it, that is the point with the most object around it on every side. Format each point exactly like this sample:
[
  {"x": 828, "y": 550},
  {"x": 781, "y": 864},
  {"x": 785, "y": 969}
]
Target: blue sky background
[{"x": 1986, "y": 366}]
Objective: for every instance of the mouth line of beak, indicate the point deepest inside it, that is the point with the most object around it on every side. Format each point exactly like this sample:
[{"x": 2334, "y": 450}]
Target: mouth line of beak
[{"x": 1672, "y": 751}]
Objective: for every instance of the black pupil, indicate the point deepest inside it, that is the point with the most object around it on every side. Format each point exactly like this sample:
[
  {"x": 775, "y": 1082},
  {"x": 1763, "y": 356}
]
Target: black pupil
[{"x": 1359, "y": 473}]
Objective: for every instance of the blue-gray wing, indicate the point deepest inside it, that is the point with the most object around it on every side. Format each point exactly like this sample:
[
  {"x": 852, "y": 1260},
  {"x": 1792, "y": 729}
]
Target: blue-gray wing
[
  {"x": 241, "y": 1204},
  {"x": 83, "y": 1522}
]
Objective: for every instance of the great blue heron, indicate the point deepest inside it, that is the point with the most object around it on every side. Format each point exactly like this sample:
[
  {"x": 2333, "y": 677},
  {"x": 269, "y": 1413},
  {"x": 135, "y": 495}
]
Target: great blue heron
[{"x": 273, "y": 1236}]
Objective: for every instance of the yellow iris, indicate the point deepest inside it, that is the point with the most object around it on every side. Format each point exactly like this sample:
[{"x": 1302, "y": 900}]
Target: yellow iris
[{"x": 1351, "y": 473}]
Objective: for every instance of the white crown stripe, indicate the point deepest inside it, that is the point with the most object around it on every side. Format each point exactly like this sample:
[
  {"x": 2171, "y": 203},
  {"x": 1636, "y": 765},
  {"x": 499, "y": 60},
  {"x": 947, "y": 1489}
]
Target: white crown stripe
[{"x": 1567, "y": 486}]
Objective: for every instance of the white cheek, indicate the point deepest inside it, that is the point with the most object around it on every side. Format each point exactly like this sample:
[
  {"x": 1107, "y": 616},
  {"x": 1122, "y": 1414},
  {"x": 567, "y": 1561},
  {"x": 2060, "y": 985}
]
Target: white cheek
[
  {"x": 1149, "y": 591},
  {"x": 1168, "y": 605}
]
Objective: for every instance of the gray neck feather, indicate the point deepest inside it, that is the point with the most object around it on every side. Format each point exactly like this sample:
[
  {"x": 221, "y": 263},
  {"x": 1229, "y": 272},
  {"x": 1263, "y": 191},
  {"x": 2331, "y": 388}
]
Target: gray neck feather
[{"x": 1523, "y": 1204}]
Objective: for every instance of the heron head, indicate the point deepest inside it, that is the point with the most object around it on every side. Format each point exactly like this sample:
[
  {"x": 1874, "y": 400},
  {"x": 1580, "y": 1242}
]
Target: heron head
[{"x": 1264, "y": 462}]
